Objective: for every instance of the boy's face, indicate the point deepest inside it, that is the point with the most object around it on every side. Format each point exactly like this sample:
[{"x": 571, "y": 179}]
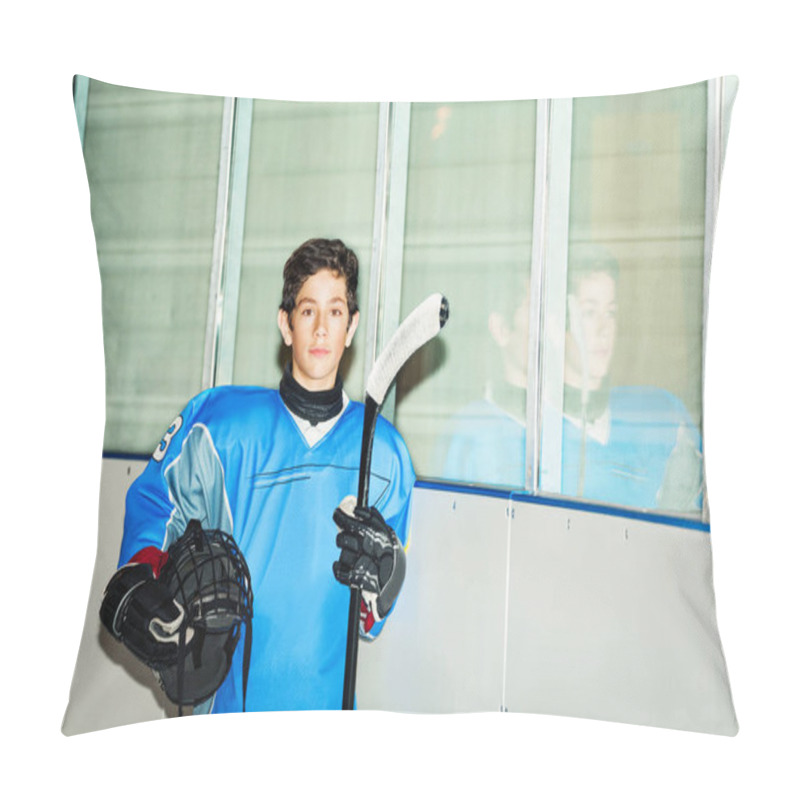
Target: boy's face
[
  {"x": 512, "y": 337},
  {"x": 319, "y": 330},
  {"x": 590, "y": 342}
]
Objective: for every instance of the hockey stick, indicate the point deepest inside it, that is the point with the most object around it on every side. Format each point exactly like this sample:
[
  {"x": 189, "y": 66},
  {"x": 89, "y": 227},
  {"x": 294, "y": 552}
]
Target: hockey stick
[{"x": 419, "y": 327}]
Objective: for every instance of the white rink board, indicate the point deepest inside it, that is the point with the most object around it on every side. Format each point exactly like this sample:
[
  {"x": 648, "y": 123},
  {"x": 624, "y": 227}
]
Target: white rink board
[
  {"x": 614, "y": 618},
  {"x": 442, "y": 648},
  {"x": 109, "y": 686},
  {"x": 507, "y": 604}
]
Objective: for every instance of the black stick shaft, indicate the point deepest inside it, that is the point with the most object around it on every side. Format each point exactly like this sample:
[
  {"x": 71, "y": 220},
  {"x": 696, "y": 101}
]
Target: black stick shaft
[{"x": 371, "y": 409}]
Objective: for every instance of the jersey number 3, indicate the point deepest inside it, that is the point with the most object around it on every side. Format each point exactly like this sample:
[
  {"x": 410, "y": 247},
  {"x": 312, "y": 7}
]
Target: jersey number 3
[{"x": 161, "y": 450}]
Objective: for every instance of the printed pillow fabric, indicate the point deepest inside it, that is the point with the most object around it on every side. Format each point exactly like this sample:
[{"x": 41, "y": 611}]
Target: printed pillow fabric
[{"x": 556, "y": 522}]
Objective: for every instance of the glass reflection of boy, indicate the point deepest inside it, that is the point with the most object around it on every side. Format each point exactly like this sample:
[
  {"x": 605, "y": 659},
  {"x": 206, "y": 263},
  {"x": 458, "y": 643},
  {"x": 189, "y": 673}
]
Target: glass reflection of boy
[
  {"x": 632, "y": 446},
  {"x": 485, "y": 441},
  {"x": 626, "y": 445},
  {"x": 588, "y": 348}
]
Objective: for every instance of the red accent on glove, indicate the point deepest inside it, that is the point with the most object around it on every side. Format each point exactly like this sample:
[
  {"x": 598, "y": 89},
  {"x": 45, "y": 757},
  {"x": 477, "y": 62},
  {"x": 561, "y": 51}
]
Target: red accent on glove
[
  {"x": 367, "y": 618},
  {"x": 153, "y": 556}
]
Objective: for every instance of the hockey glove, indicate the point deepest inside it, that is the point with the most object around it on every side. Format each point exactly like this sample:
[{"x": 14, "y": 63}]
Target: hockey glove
[
  {"x": 372, "y": 558},
  {"x": 140, "y": 612}
]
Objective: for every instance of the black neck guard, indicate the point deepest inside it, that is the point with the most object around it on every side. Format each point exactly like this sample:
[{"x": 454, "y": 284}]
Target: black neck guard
[
  {"x": 315, "y": 407},
  {"x": 596, "y": 403}
]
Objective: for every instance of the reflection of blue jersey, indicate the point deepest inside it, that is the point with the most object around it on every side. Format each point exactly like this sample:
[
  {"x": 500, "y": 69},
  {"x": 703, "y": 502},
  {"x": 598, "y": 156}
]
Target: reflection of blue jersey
[
  {"x": 487, "y": 445},
  {"x": 236, "y": 460},
  {"x": 649, "y": 456}
]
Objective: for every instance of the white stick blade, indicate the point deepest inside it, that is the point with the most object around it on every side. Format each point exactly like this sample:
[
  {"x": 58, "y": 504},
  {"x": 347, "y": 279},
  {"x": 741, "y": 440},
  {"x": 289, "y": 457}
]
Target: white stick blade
[{"x": 419, "y": 327}]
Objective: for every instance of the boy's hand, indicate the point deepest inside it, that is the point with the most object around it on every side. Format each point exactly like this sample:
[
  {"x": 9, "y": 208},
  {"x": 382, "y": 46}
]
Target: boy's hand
[
  {"x": 372, "y": 558},
  {"x": 140, "y": 612}
]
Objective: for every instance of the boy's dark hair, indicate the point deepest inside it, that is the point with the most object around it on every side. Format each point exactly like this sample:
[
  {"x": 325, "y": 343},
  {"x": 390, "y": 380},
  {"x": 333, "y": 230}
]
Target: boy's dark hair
[
  {"x": 585, "y": 259},
  {"x": 310, "y": 258}
]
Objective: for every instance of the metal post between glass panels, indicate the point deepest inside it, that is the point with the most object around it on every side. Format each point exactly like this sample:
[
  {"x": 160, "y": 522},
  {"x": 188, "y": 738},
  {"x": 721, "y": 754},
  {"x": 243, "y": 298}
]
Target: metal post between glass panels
[
  {"x": 232, "y": 264},
  {"x": 714, "y": 134},
  {"x": 388, "y": 234},
  {"x": 214, "y": 316},
  {"x": 80, "y": 97},
  {"x": 536, "y": 316},
  {"x": 713, "y": 169},
  {"x": 549, "y": 280},
  {"x": 378, "y": 237}
]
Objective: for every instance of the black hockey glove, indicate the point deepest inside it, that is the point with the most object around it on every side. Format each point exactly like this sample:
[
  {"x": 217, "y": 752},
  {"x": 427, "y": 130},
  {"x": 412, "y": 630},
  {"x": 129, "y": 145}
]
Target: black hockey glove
[
  {"x": 372, "y": 558},
  {"x": 185, "y": 624},
  {"x": 141, "y": 612}
]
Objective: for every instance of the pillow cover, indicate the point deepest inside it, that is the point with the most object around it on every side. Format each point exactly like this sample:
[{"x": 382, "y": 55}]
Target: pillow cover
[{"x": 559, "y": 554}]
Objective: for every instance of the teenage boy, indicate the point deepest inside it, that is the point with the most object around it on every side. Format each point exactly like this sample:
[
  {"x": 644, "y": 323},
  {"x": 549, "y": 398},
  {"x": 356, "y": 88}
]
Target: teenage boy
[
  {"x": 624, "y": 445},
  {"x": 627, "y": 445},
  {"x": 270, "y": 468}
]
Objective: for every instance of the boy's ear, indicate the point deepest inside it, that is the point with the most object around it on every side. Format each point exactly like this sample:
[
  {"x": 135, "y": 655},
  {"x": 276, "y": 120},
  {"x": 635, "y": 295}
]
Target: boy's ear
[
  {"x": 351, "y": 331},
  {"x": 285, "y": 327},
  {"x": 498, "y": 329}
]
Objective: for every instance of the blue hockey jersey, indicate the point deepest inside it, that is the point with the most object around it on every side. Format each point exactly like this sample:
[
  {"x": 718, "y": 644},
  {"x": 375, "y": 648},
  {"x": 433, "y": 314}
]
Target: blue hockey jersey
[
  {"x": 651, "y": 459},
  {"x": 236, "y": 460}
]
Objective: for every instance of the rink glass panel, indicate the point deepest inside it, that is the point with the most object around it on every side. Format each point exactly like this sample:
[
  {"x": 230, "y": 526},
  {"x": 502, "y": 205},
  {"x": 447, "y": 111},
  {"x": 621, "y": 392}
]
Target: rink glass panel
[
  {"x": 152, "y": 165},
  {"x": 311, "y": 174},
  {"x": 637, "y": 196},
  {"x": 467, "y": 403},
  {"x": 468, "y": 234}
]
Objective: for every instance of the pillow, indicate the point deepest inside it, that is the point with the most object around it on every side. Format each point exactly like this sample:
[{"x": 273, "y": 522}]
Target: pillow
[{"x": 558, "y": 547}]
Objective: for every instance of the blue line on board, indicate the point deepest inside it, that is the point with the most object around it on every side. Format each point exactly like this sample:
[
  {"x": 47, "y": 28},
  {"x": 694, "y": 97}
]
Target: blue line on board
[
  {"x": 559, "y": 502},
  {"x": 127, "y": 456}
]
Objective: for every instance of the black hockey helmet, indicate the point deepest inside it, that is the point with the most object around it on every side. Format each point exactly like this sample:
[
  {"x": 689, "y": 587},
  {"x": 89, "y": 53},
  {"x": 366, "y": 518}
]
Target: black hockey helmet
[{"x": 207, "y": 575}]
